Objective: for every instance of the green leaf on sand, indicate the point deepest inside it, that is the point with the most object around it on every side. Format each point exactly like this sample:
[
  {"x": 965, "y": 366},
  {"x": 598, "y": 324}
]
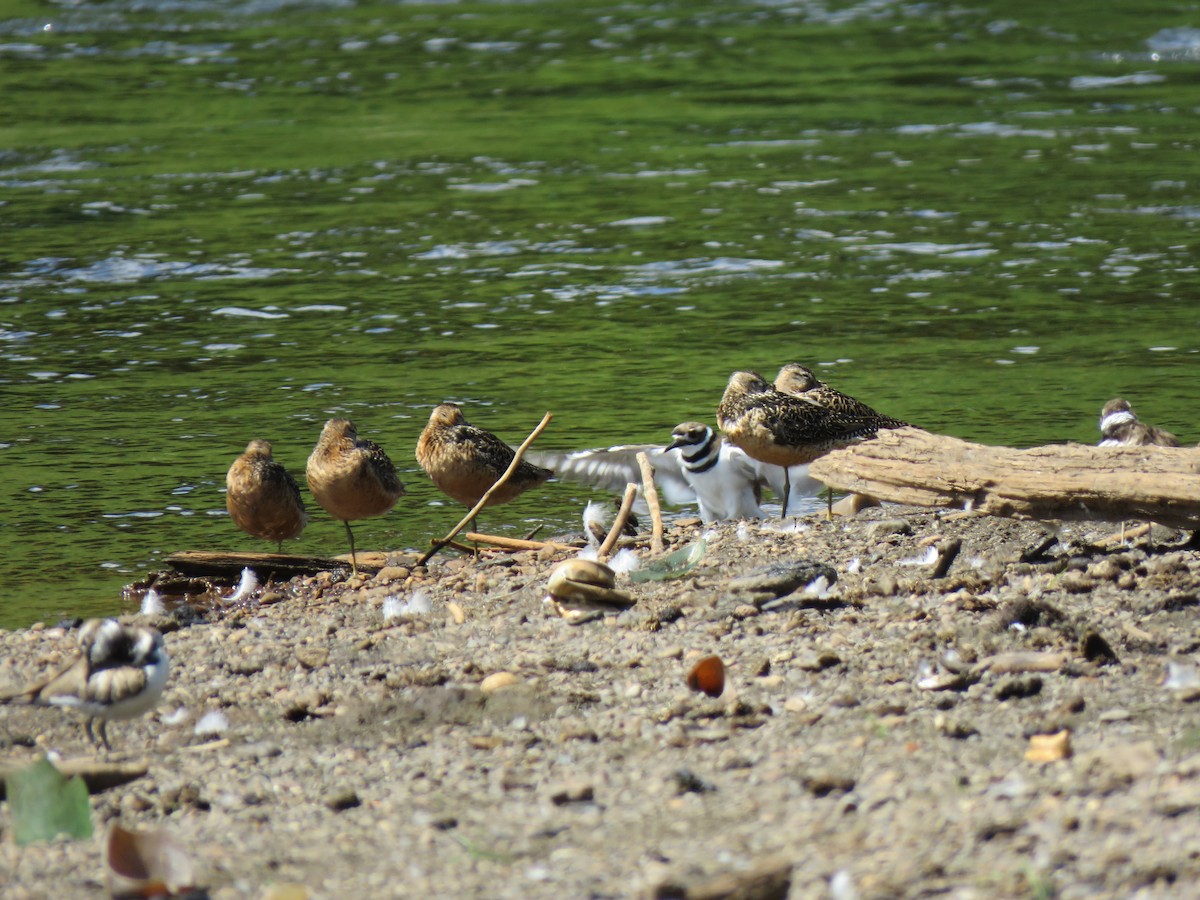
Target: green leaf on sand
[
  {"x": 44, "y": 804},
  {"x": 673, "y": 565}
]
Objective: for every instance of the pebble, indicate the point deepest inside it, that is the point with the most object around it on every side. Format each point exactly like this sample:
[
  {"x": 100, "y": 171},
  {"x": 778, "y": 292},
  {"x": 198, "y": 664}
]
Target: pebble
[
  {"x": 341, "y": 800},
  {"x": 572, "y": 792},
  {"x": 312, "y": 657},
  {"x": 816, "y": 662},
  {"x": 888, "y": 528},
  {"x": 1074, "y": 582},
  {"x": 780, "y": 579},
  {"x": 498, "y": 681},
  {"x": 823, "y": 782}
]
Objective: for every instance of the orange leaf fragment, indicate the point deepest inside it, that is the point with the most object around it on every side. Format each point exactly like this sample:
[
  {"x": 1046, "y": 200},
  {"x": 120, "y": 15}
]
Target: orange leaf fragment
[{"x": 708, "y": 676}]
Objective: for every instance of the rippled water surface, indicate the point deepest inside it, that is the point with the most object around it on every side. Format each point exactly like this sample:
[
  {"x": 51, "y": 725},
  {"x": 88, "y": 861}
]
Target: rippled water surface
[{"x": 231, "y": 220}]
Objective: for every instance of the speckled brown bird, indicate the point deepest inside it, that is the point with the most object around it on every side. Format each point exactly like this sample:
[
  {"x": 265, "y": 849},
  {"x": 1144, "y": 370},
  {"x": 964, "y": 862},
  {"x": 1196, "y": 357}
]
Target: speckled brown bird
[
  {"x": 351, "y": 477},
  {"x": 1119, "y": 427},
  {"x": 799, "y": 381},
  {"x": 784, "y": 430},
  {"x": 464, "y": 461},
  {"x": 262, "y": 498}
]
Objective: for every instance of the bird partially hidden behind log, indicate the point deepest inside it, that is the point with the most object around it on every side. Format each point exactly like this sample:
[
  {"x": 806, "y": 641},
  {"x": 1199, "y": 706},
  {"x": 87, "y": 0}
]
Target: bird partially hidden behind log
[
  {"x": 119, "y": 673},
  {"x": 464, "y": 461},
  {"x": 1120, "y": 427},
  {"x": 351, "y": 477},
  {"x": 262, "y": 498},
  {"x": 799, "y": 381},
  {"x": 786, "y": 429}
]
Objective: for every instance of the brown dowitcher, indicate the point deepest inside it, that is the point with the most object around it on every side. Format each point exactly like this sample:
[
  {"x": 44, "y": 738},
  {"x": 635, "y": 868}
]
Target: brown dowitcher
[
  {"x": 1119, "y": 427},
  {"x": 784, "y": 430},
  {"x": 262, "y": 498},
  {"x": 799, "y": 381},
  {"x": 351, "y": 477},
  {"x": 464, "y": 461},
  {"x": 119, "y": 673}
]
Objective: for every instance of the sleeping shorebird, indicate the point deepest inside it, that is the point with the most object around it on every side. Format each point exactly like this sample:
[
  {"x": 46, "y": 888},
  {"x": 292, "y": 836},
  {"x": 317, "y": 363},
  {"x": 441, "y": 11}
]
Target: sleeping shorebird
[
  {"x": 799, "y": 381},
  {"x": 262, "y": 498},
  {"x": 784, "y": 430},
  {"x": 351, "y": 477},
  {"x": 1119, "y": 427},
  {"x": 464, "y": 461},
  {"x": 120, "y": 673}
]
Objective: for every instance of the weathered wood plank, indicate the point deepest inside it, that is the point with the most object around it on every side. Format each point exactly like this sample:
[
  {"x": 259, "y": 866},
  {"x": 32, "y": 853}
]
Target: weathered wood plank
[
  {"x": 279, "y": 566},
  {"x": 1057, "y": 481}
]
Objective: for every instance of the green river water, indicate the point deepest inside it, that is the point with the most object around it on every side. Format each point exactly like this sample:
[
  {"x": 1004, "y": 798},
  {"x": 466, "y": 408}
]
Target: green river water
[{"x": 227, "y": 220}]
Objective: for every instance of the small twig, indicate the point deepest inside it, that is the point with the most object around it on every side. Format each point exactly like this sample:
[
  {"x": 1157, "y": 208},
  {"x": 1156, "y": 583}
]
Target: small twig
[
  {"x": 650, "y": 492},
  {"x": 507, "y": 543},
  {"x": 535, "y": 530},
  {"x": 218, "y": 744},
  {"x": 512, "y": 467},
  {"x": 947, "y": 551},
  {"x": 453, "y": 545},
  {"x": 618, "y": 524},
  {"x": 1119, "y": 537}
]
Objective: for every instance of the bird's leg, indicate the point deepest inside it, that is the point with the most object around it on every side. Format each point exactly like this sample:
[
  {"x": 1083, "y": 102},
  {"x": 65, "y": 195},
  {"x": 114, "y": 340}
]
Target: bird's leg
[
  {"x": 88, "y": 727},
  {"x": 829, "y": 497},
  {"x": 353, "y": 558},
  {"x": 787, "y": 490},
  {"x": 279, "y": 547}
]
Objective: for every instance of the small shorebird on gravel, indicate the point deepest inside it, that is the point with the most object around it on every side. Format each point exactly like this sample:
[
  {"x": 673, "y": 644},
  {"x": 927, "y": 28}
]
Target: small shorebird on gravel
[
  {"x": 262, "y": 498},
  {"x": 464, "y": 461},
  {"x": 784, "y": 430},
  {"x": 1119, "y": 427},
  {"x": 351, "y": 477},
  {"x": 119, "y": 673}
]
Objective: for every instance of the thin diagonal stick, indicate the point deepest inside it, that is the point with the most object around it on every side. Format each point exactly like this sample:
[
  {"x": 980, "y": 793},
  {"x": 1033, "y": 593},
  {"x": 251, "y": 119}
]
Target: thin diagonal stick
[
  {"x": 618, "y": 524},
  {"x": 651, "y": 494},
  {"x": 512, "y": 467}
]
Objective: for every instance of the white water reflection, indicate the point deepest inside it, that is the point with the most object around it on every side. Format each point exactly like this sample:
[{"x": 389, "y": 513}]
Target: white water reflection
[
  {"x": 242, "y": 312},
  {"x": 1093, "y": 82},
  {"x": 128, "y": 269}
]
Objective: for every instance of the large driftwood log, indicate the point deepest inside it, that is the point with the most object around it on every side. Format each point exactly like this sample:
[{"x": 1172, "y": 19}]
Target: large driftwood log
[{"x": 1058, "y": 481}]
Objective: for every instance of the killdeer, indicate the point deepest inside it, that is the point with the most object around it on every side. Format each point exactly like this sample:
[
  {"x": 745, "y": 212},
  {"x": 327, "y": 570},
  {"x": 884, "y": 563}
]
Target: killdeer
[
  {"x": 1119, "y": 427},
  {"x": 784, "y": 430},
  {"x": 698, "y": 466},
  {"x": 464, "y": 461},
  {"x": 351, "y": 477},
  {"x": 611, "y": 468},
  {"x": 724, "y": 478},
  {"x": 120, "y": 673},
  {"x": 262, "y": 498}
]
